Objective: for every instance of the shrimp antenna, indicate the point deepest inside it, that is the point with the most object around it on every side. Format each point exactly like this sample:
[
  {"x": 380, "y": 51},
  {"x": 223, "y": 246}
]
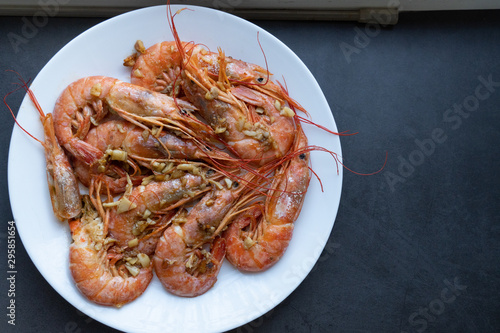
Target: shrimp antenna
[
  {"x": 295, "y": 105},
  {"x": 338, "y": 160},
  {"x": 30, "y": 93}
]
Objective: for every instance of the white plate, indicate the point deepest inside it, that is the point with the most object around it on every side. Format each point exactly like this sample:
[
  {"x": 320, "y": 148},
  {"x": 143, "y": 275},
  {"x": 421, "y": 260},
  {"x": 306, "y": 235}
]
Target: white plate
[{"x": 236, "y": 298}]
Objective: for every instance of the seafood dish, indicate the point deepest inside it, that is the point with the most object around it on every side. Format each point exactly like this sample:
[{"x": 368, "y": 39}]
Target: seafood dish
[
  {"x": 197, "y": 159},
  {"x": 205, "y": 155}
]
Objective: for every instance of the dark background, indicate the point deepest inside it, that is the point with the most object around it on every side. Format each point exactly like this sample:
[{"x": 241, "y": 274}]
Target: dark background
[{"x": 415, "y": 248}]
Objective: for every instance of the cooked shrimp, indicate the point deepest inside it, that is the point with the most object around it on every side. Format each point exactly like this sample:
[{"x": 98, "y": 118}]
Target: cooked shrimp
[
  {"x": 158, "y": 68},
  {"x": 187, "y": 271},
  {"x": 259, "y": 236},
  {"x": 254, "y": 133},
  {"x": 189, "y": 255},
  {"x": 272, "y": 126},
  {"x": 122, "y": 142},
  {"x": 251, "y": 134},
  {"x": 129, "y": 216},
  {"x": 63, "y": 187},
  {"x": 102, "y": 276},
  {"x": 139, "y": 143},
  {"x": 87, "y": 101},
  {"x": 260, "y": 131}
]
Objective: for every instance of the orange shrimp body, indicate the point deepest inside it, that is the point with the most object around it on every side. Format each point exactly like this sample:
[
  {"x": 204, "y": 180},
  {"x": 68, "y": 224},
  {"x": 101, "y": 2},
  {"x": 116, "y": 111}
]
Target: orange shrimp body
[
  {"x": 87, "y": 101},
  {"x": 138, "y": 143},
  {"x": 274, "y": 131},
  {"x": 94, "y": 268},
  {"x": 258, "y": 132},
  {"x": 186, "y": 271},
  {"x": 128, "y": 219},
  {"x": 255, "y": 127},
  {"x": 259, "y": 236},
  {"x": 182, "y": 261},
  {"x": 140, "y": 147},
  {"x": 159, "y": 67},
  {"x": 114, "y": 178}
]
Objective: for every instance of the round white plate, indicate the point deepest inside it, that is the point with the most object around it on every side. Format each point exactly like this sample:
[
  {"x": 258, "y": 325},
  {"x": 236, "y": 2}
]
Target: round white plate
[{"x": 236, "y": 298}]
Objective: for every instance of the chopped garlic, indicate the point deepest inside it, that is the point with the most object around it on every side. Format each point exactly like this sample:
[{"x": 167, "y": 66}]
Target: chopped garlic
[
  {"x": 158, "y": 166},
  {"x": 133, "y": 270},
  {"x": 137, "y": 73},
  {"x": 94, "y": 122},
  {"x": 178, "y": 230},
  {"x": 96, "y": 90},
  {"x": 217, "y": 184},
  {"x": 147, "y": 180},
  {"x": 134, "y": 242},
  {"x": 209, "y": 96},
  {"x": 168, "y": 168},
  {"x": 130, "y": 60},
  {"x": 287, "y": 112},
  {"x": 155, "y": 131},
  {"x": 277, "y": 105},
  {"x": 131, "y": 261},
  {"x": 191, "y": 261},
  {"x": 139, "y": 46},
  {"x": 124, "y": 205},
  {"x": 248, "y": 243},
  {"x": 120, "y": 128},
  {"x": 250, "y": 133},
  {"x": 117, "y": 155},
  {"x": 145, "y": 135},
  {"x": 187, "y": 167},
  {"x": 143, "y": 260}
]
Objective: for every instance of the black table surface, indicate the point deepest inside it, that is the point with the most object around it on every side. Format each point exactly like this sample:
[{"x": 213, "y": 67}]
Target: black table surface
[{"x": 415, "y": 248}]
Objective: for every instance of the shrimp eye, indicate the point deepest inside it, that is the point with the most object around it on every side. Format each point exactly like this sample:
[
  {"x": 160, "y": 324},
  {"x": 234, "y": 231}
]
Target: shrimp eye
[
  {"x": 235, "y": 184},
  {"x": 302, "y": 156},
  {"x": 210, "y": 172},
  {"x": 260, "y": 79},
  {"x": 183, "y": 112}
]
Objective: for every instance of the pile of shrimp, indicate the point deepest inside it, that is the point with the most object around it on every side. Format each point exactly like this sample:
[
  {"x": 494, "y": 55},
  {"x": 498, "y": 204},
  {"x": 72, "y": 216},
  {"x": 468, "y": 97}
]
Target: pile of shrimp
[{"x": 199, "y": 158}]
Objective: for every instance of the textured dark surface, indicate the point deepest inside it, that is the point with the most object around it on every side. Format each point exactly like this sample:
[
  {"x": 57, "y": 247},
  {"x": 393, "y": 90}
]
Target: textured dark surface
[{"x": 415, "y": 248}]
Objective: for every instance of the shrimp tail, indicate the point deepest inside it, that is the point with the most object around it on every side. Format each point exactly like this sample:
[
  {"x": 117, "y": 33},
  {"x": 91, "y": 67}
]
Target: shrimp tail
[{"x": 85, "y": 152}]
